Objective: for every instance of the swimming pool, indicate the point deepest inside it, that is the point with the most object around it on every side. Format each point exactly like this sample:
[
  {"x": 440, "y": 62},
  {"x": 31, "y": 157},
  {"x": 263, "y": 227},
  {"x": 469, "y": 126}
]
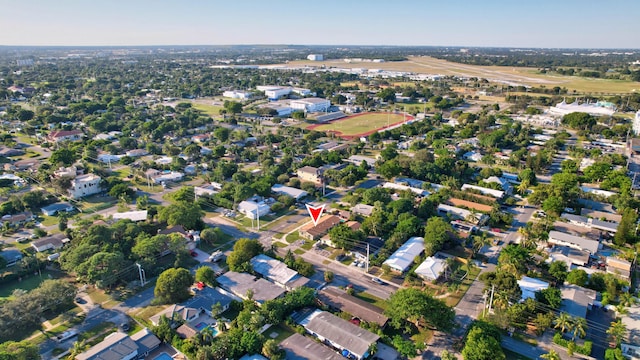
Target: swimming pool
[
  {"x": 201, "y": 326},
  {"x": 163, "y": 356}
]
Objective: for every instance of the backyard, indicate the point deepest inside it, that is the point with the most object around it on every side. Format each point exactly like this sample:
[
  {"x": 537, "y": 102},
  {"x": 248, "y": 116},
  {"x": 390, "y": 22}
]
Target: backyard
[{"x": 361, "y": 124}]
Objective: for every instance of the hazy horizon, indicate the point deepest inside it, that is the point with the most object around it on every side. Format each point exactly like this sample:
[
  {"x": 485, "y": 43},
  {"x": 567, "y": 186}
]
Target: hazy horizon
[{"x": 569, "y": 24}]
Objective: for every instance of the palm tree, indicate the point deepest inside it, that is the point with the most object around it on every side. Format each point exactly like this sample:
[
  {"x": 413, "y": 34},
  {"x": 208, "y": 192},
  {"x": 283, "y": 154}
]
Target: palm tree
[
  {"x": 616, "y": 331},
  {"x": 501, "y": 300},
  {"x": 523, "y": 186},
  {"x": 78, "y": 348},
  {"x": 552, "y": 355},
  {"x": 627, "y": 299},
  {"x": 563, "y": 322},
  {"x": 579, "y": 326},
  {"x": 480, "y": 241}
]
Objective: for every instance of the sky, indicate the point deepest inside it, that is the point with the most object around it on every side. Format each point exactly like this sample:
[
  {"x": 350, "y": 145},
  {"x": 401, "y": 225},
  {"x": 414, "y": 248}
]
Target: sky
[{"x": 491, "y": 23}]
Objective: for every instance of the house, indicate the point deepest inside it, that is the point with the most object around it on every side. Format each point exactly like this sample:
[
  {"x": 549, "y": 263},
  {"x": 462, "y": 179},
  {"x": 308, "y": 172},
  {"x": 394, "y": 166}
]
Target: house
[
  {"x": 8, "y": 152},
  {"x": 576, "y": 300},
  {"x": 402, "y": 258},
  {"x": 11, "y": 256},
  {"x": 239, "y": 284},
  {"x": 619, "y": 267},
  {"x": 348, "y": 338},
  {"x": 310, "y": 174},
  {"x": 362, "y": 209},
  {"x": 65, "y": 135},
  {"x": 325, "y": 223},
  {"x": 602, "y": 215},
  {"x": 277, "y": 272},
  {"x": 472, "y": 156},
  {"x": 209, "y": 189},
  {"x": 53, "y": 209},
  {"x": 23, "y": 165},
  {"x": 484, "y": 191},
  {"x": 253, "y": 210},
  {"x": 504, "y": 183},
  {"x": 358, "y": 159},
  {"x": 85, "y": 185},
  {"x": 17, "y": 219},
  {"x": 120, "y": 346},
  {"x": 134, "y": 216},
  {"x": 530, "y": 286},
  {"x": 339, "y": 299},
  {"x": 237, "y": 94},
  {"x": 571, "y": 256},
  {"x": 137, "y": 152},
  {"x": 461, "y": 214},
  {"x": 417, "y": 191},
  {"x": 300, "y": 347},
  {"x": 431, "y": 268},
  {"x": 71, "y": 171},
  {"x": 52, "y": 242},
  {"x": 202, "y": 302},
  {"x": 576, "y": 242},
  {"x": 297, "y": 194},
  {"x": 631, "y": 344}
]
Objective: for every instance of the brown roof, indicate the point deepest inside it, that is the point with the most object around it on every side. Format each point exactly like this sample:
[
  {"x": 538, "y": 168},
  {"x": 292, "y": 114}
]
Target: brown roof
[
  {"x": 324, "y": 224},
  {"x": 174, "y": 229},
  {"x": 339, "y": 299},
  {"x": 353, "y": 225},
  {"x": 186, "y": 332},
  {"x": 469, "y": 204}
]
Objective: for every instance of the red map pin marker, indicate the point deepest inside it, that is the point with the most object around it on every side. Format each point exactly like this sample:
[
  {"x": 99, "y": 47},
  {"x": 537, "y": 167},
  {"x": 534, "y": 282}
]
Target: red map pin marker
[{"x": 315, "y": 213}]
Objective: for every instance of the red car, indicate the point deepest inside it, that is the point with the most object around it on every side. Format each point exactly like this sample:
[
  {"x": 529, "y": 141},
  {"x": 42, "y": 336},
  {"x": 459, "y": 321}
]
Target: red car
[{"x": 194, "y": 254}]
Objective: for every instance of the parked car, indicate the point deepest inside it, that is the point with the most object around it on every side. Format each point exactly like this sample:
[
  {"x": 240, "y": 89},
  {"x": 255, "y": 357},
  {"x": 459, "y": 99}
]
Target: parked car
[
  {"x": 194, "y": 254},
  {"x": 378, "y": 281}
]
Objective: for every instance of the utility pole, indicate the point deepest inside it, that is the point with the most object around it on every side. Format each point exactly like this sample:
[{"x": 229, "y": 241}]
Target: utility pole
[
  {"x": 484, "y": 303},
  {"x": 493, "y": 287},
  {"x": 367, "y": 268},
  {"x": 143, "y": 277}
]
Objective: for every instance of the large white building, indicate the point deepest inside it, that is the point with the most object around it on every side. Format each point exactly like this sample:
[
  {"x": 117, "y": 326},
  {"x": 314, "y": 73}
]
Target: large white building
[
  {"x": 253, "y": 210},
  {"x": 274, "y": 92},
  {"x": 237, "y": 94},
  {"x": 572, "y": 241},
  {"x": 315, "y": 57},
  {"x": 596, "y": 109},
  {"x": 311, "y": 104},
  {"x": 85, "y": 185},
  {"x": 636, "y": 123}
]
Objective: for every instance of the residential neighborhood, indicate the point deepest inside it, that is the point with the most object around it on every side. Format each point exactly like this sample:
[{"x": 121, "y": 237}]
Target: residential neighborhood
[{"x": 263, "y": 203}]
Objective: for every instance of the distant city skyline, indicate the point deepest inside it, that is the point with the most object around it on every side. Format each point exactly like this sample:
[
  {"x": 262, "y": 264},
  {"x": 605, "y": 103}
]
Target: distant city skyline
[{"x": 489, "y": 23}]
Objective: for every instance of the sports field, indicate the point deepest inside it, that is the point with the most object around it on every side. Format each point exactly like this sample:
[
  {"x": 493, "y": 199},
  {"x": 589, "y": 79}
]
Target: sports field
[
  {"x": 512, "y": 75},
  {"x": 361, "y": 124}
]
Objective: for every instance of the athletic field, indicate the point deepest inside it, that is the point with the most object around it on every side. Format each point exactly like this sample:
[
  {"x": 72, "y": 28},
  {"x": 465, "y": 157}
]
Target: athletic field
[{"x": 361, "y": 124}]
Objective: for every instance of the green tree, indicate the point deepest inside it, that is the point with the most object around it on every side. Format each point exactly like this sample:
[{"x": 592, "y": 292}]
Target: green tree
[
  {"x": 419, "y": 308},
  {"x": 550, "y": 296},
  {"x": 578, "y": 277},
  {"x": 173, "y": 285},
  {"x": 243, "y": 251},
  {"x": 578, "y": 327},
  {"x": 558, "y": 269},
  {"x": 102, "y": 268},
  {"x": 436, "y": 233},
  {"x": 553, "y": 205},
  {"x": 617, "y": 331},
  {"x": 188, "y": 215},
  {"x": 272, "y": 350},
  {"x": 23, "y": 350},
  {"x": 551, "y": 355},
  {"x": 221, "y": 133},
  {"x": 563, "y": 322},
  {"x": 64, "y": 157},
  {"x": 206, "y": 275},
  {"x": 613, "y": 354},
  {"x": 627, "y": 228},
  {"x": 480, "y": 346}
]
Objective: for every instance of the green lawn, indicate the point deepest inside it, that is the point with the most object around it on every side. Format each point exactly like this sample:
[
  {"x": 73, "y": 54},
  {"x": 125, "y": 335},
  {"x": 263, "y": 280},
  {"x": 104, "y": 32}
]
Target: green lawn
[
  {"x": 28, "y": 283},
  {"x": 360, "y": 124},
  {"x": 283, "y": 332},
  {"x": 98, "y": 296},
  {"x": 293, "y": 237},
  {"x": 372, "y": 299},
  {"x": 298, "y": 251},
  {"x": 279, "y": 244},
  {"x": 308, "y": 244}
]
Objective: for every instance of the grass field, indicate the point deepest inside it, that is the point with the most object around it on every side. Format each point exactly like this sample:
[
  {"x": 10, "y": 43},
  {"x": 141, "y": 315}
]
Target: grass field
[
  {"x": 211, "y": 110},
  {"x": 361, "y": 124},
  {"x": 516, "y": 75},
  {"x": 27, "y": 284}
]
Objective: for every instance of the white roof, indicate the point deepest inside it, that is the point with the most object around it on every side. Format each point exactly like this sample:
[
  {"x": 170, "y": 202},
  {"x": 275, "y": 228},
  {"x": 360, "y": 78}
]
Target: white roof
[
  {"x": 573, "y": 241},
  {"x": 288, "y": 190},
  {"x": 431, "y": 268},
  {"x": 404, "y": 256},
  {"x": 390, "y": 185},
  {"x": 484, "y": 191},
  {"x": 272, "y": 269},
  {"x": 529, "y": 286},
  {"x": 132, "y": 215}
]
